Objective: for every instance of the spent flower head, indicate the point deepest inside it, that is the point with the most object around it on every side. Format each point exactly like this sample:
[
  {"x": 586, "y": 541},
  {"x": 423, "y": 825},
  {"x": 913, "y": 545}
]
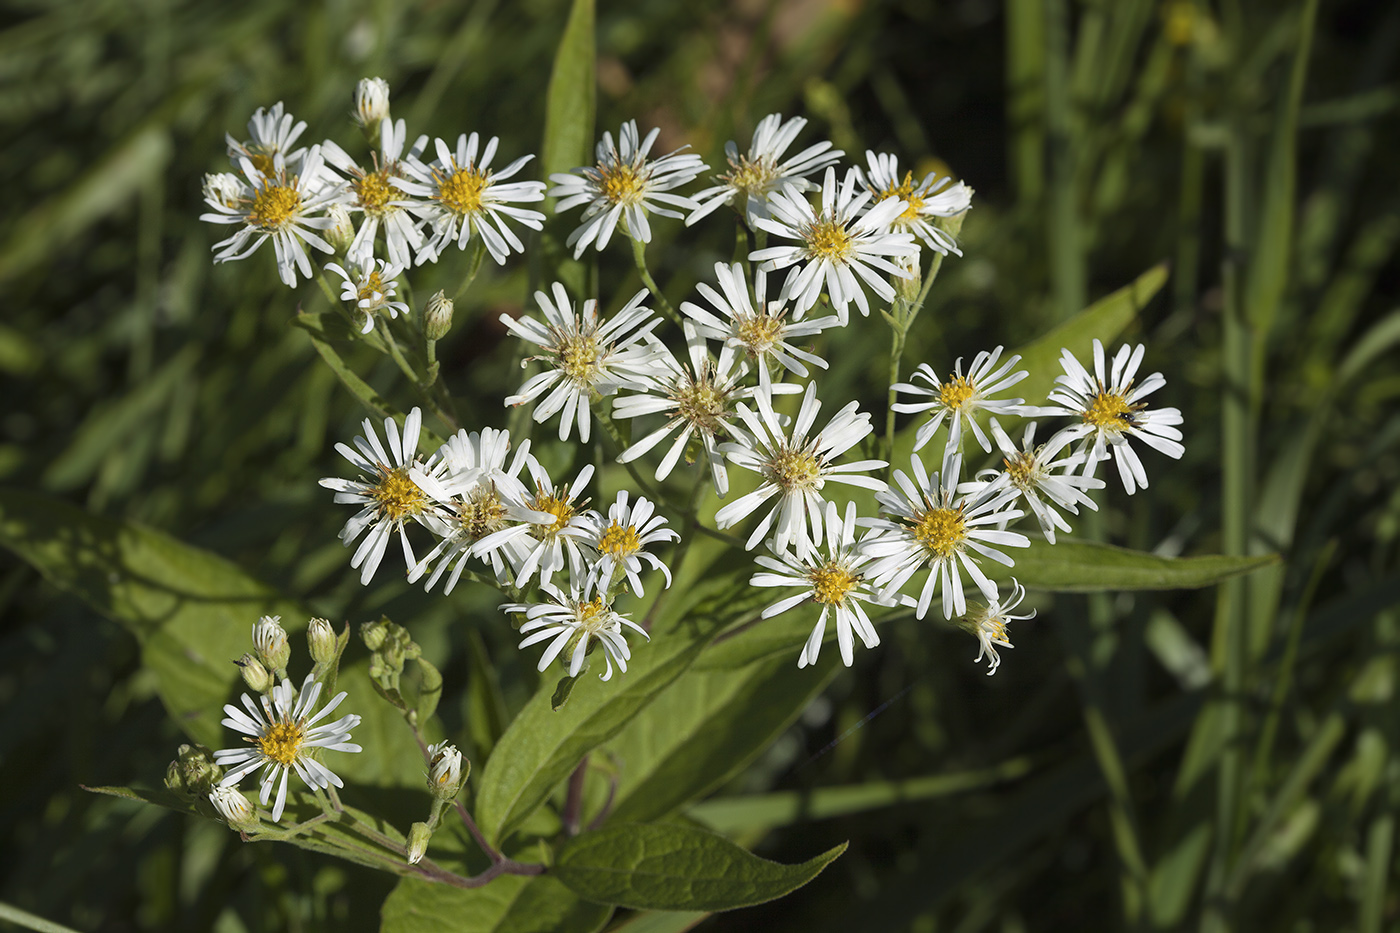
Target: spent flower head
[
  {"x": 369, "y": 285},
  {"x": 1033, "y": 473},
  {"x": 988, "y": 623},
  {"x": 572, "y": 622},
  {"x": 757, "y": 175}
]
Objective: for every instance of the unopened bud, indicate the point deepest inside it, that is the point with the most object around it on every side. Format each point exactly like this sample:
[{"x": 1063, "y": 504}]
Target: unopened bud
[
  {"x": 444, "y": 771},
  {"x": 371, "y": 104},
  {"x": 418, "y": 836},
  {"x": 374, "y": 634},
  {"x": 236, "y": 809},
  {"x": 437, "y": 316},
  {"x": 321, "y": 641},
  {"x": 908, "y": 288},
  {"x": 255, "y": 675},
  {"x": 270, "y": 642},
  {"x": 192, "y": 772},
  {"x": 341, "y": 233}
]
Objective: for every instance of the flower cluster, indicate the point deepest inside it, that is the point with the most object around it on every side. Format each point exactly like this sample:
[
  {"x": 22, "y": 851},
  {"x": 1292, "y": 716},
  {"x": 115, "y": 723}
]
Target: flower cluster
[{"x": 715, "y": 391}]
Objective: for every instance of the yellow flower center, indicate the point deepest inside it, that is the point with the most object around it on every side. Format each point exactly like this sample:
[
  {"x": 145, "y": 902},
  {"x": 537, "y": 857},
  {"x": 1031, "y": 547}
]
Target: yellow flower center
[
  {"x": 1110, "y": 411},
  {"x": 995, "y": 628},
  {"x": 375, "y": 191},
  {"x": 282, "y": 742},
  {"x": 701, "y": 404},
  {"x": 759, "y": 333},
  {"x": 827, "y": 239},
  {"x": 557, "y": 505},
  {"x": 262, "y": 161},
  {"x": 622, "y": 184},
  {"x": 795, "y": 469},
  {"x": 461, "y": 191},
  {"x": 593, "y": 615},
  {"x": 274, "y": 206},
  {"x": 752, "y": 178},
  {"x": 372, "y": 288},
  {"x": 398, "y": 496},
  {"x": 1020, "y": 468},
  {"x": 903, "y": 191},
  {"x": 831, "y": 583},
  {"x": 956, "y": 391},
  {"x": 482, "y": 513},
  {"x": 578, "y": 359},
  {"x": 620, "y": 541},
  {"x": 941, "y": 531}
]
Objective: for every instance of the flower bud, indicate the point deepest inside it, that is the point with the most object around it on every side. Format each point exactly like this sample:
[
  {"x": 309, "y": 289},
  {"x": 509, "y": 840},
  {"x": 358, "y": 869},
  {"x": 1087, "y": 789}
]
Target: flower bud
[
  {"x": 444, "y": 771},
  {"x": 223, "y": 188},
  {"x": 418, "y": 836},
  {"x": 270, "y": 642},
  {"x": 908, "y": 288},
  {"x": 236, "y": 809},
  {"x": 374, "y": 634},
  {"x": 371, "y": 104},
  {"x": 255, "y": 675},
  {"x": 437, "y": 316},
  {"x": 321, "y": 641},
  {"x": 341, "y": 233},
  {"x": 192, "y": 772}
]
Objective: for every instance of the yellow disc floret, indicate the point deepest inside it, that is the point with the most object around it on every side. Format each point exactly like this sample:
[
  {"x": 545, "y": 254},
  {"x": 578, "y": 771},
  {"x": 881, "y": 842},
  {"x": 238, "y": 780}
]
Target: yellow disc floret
[
  {"x": 752, "y": 178},
  {"x": 556, "y": 504},
  {"x": 795, "y": 470},
  {"x": 620, "y": 541},
  {"x": 827, "y": 239},
  {"x": 375, "y": 192},
  {"x": 1021, "y": 469},
  {"x": 622, "y": 183},
  {"x": 701, "y": 404},
  {"x": 956, "y": 392},
  {"x": 593, "y": 616},
  {"x": 398, "y": 496},
  {"x": 904, "y": 191},
  {"x": 482, "y": 513},
  {"x": 461, "y": 191},
  {"x": 372, "y": 288},
  {"x": 282, "y": 742},
  {"x": 1110, "y": 411},
  {"x": 941, "y": 531},
  {"x": 758, "y": 334},
  {"x": 831, "y": 582},
  {"x": 275, "y": 206},
  {"x": 578, "y": 359}
]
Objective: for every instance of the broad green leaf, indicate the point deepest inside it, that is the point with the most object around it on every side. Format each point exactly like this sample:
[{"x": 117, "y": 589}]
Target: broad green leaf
[
  {"x": 662, "y": 921},
  {"x": 669, "y": 866},
  {"x": 315, "y": 325},
  {"x": 1071, "y": 566},
  {"x": 191, "y": 610},
  {"x": 705, "y": 728},
  {"x": 572, "y": 95},
  {"x": 508, "y": 904},
  {"x": 782, "y": 808},
  {"x": 1174, "y": 877},
  {"x": 542, "y": 746}
]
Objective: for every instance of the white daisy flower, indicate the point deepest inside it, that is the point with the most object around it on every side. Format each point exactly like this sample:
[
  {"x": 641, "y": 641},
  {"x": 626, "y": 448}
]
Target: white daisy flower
[
  {"x": 462, "y": 196},
  {"x": 564, "y": 533},
  {"x": 755, "y": 177},
  {"x": 276, "y": 205},
  {"x": 1034, "y": 474},
  {"x": 585, "y": 355},
  {"x": 620, "y": 539},
  {"x": 962, "y": 396},
  {"x": 840, "y": 245},
  {"x": 1111, "y": 410},
  {"x": 932, "y": 197},
  {"x": 926, "y": 525},
  {"x": 836, "y": 582},
  {"x": 386, "y": 490},
  {"x": 370, "y": 285},
  {"x": 698, "y": 401},
  {"x": 373, "y": 191},
  {"x": 272, "y": 132},
  {"x": 989, "y": 625},
  {"x": 575, "y": 621},
  {"x": 758, "y": 326},
  {"x": 794, "y": 468},
  {"x": 624, "y": 186},
  {"x": 478, "y": 496},
  {"x": 224, "y": 190},
  {"x": 282, "y": 736}
]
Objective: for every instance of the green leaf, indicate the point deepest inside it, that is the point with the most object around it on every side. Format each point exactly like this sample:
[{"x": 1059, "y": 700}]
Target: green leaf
[
  {"x": 669, "y": 866},
  {"x": 542, "y": 746},
  {"x": 572, "y": 96},
  {"x": 314, "y": 325},
  {"x": 1072, "y": 566},
  {"x": 191, "y": 610},
  {"x": 509, "y": 904},
  {"x": 23, "y": 918},
  {"x": 662, "y": 921},
  {"x": 705, "y": 728}
]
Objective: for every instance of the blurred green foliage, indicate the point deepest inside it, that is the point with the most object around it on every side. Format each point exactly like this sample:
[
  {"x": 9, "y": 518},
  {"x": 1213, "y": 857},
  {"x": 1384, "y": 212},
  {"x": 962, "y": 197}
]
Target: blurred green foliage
[{"x": 1226, "y": 760}]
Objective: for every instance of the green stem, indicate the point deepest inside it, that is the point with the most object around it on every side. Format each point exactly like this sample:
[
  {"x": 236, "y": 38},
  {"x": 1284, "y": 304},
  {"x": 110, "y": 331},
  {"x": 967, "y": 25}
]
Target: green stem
[
  {"x": 473, "y": 267},
  {"x": 639, "y": 255}
]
